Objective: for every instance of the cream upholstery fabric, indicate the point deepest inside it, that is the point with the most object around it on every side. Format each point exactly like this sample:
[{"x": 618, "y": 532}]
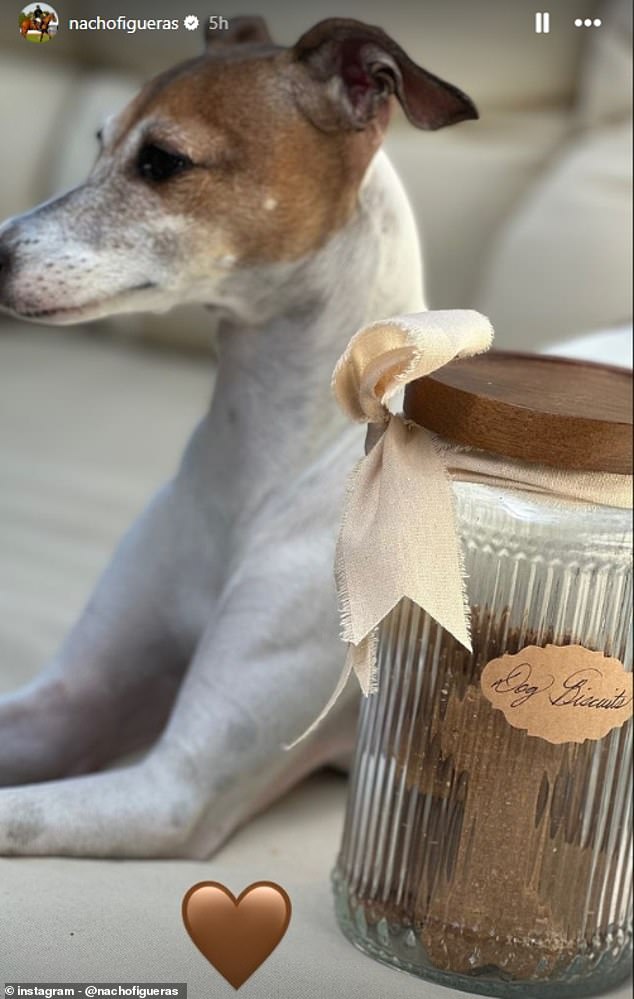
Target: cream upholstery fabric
[
  {"x": 88, "y": 428},
  {"x": 105, "y": 921}
]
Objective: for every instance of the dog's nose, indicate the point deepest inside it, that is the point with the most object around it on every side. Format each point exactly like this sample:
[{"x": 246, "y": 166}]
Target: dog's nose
[
  {"x": 5, "y": 264},
  {"x": 5, "y": 255}
]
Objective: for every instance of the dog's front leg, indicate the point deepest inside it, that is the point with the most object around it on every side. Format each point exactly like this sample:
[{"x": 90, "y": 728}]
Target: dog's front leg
[
  {"x": 110, "y": 688},
  {"x": 267, "y": 663},
  {"x": 118, "y": 813}
]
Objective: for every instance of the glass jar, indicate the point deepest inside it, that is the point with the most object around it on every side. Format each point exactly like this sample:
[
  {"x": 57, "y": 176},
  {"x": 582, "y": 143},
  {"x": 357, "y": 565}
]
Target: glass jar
[{"x": 475, "y": 854}]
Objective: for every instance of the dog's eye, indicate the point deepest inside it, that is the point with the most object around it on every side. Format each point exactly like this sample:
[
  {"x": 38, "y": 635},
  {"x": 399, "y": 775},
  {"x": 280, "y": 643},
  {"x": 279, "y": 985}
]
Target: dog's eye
[{"x": 155, "y": 163}]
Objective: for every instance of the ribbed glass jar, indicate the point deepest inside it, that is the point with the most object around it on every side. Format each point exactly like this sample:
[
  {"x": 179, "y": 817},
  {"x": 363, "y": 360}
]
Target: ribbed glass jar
[{"x": 474, "y": 854}]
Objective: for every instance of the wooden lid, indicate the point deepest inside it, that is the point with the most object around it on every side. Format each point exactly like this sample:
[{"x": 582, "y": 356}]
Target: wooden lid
[{"x": 547, "y": 410}]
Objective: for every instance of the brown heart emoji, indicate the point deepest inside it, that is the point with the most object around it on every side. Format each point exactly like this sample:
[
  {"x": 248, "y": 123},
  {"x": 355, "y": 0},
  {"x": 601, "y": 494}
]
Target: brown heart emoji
[{"x": 236, "y": 934}]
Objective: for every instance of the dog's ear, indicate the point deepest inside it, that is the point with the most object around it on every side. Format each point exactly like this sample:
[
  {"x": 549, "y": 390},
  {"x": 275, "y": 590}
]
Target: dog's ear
[
  {"x": 360, "y": 66},
  {"x": 241, "y": 31}
]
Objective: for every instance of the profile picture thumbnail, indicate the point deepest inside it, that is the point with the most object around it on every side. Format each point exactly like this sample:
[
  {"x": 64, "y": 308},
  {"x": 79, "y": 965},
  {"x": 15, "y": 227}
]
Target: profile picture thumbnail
[{"x": 38, "y": 22}]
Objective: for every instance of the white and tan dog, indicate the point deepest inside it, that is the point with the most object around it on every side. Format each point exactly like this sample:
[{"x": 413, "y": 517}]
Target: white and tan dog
[{"x": 250, "y": 180}]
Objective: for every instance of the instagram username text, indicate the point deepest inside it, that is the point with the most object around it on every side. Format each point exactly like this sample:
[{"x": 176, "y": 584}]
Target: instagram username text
[
  {"x": 134, "y": 24},
  {"x": 87, "y": 990}
]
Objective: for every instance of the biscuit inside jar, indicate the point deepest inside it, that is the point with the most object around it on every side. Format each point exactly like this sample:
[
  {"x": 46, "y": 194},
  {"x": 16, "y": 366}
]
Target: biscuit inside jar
[{"x": 510, "y": 835}]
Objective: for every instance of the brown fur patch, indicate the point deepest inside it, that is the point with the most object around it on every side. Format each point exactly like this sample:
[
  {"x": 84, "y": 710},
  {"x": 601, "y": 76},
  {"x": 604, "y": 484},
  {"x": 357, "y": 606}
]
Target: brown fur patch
[{"x": 237, "y": 117}]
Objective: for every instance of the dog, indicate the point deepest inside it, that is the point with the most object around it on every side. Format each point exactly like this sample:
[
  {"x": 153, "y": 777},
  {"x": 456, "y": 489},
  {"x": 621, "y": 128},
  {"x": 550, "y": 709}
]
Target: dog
[{"x": 251, "y": 180}]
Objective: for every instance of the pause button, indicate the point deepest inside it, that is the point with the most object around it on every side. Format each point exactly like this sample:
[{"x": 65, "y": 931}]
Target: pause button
[{"x": 542, "y": 22}]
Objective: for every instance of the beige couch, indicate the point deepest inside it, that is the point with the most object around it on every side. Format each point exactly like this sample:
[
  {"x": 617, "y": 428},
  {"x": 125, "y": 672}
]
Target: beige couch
[{"x": 525, "y": 216}]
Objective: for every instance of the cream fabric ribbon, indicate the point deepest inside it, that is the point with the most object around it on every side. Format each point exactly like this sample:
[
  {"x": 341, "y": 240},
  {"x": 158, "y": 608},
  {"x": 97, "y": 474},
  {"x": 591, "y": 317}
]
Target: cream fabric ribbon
[{"x": 398, "y": 535}]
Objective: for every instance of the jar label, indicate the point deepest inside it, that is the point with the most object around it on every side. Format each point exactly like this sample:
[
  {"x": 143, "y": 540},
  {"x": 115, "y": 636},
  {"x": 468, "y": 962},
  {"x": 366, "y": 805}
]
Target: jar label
[{"x": 561, "y": 693}]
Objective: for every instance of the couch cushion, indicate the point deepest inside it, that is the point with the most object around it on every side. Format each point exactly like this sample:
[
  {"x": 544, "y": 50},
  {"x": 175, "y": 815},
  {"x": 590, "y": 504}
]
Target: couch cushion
[
  {"x": 563, "y": 264},
  {"x": 464, "y": 182}
]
